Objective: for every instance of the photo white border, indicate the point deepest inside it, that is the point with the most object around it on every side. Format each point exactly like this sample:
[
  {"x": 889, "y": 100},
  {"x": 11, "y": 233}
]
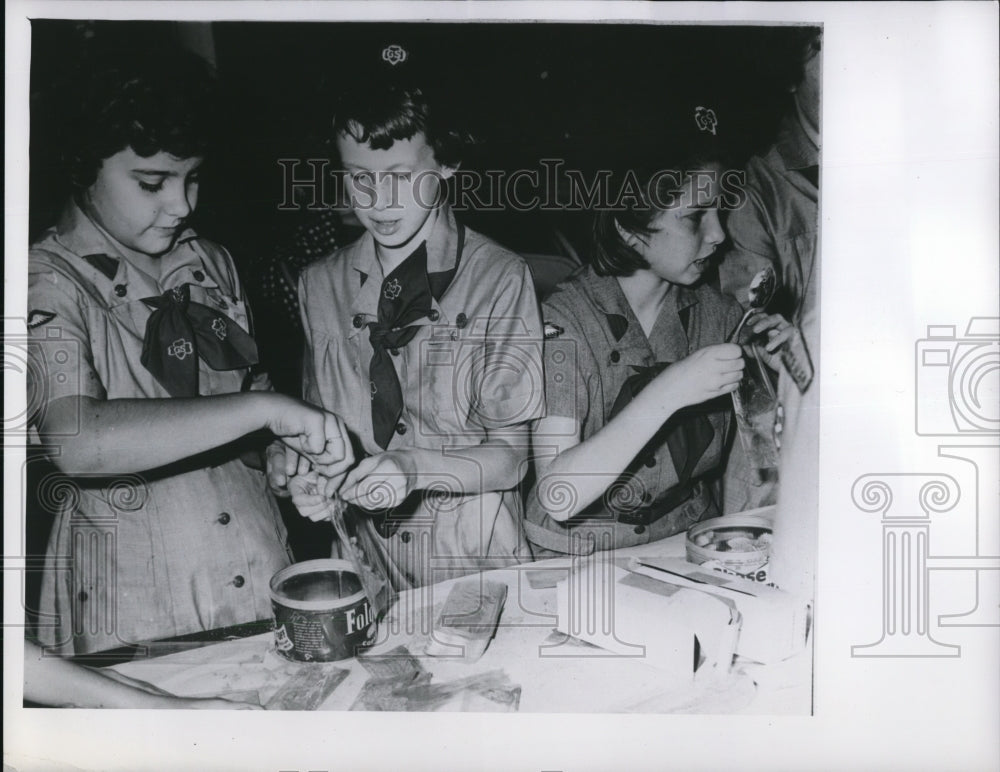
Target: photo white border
[{"x": 910, "y": 239}]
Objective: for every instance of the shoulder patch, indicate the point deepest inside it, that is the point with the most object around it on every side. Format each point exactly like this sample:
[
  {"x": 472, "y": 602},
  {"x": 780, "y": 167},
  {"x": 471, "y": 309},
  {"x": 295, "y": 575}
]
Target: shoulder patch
[
  {"x": 553, "y": 331},
  {"x": 38, "y": 318}
]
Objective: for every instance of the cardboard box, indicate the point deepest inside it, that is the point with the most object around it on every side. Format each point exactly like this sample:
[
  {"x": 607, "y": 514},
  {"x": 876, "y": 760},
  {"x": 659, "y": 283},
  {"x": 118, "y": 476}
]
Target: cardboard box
[
  {"x": 775, "y": 622},
  {"x": 687, "y": 633}
]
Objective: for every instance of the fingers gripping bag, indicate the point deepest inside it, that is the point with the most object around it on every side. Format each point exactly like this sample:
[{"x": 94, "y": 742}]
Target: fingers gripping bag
[{"x": 359, "y": 544}]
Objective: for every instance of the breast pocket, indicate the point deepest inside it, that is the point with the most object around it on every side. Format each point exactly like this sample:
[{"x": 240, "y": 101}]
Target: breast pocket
[{"x": 439, "y": 386}]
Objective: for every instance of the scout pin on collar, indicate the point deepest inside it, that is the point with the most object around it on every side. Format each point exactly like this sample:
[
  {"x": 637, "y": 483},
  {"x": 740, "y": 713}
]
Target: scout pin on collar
[
  {"x": 704, "y": 118},
  {"x": 394, "y": 54}
]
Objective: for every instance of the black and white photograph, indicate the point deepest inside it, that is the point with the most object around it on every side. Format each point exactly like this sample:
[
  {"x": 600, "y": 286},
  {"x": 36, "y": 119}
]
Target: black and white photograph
[
  {"x": 485, "y": 336},
  {"x": 462, "y": 363}
]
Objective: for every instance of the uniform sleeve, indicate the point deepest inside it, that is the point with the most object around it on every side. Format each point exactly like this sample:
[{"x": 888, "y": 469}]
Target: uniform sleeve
[
  {"x": 511, "y": 381},
  {"x": 567, "y": 361},
  {"x": 60, "y": 359},
  {"x": 752, "y": 248}
]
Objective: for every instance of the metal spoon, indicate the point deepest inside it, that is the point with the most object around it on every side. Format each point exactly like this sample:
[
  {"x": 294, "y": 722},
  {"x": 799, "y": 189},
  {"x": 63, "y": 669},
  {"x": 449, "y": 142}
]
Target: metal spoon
[{"x": 762, "y": 289}]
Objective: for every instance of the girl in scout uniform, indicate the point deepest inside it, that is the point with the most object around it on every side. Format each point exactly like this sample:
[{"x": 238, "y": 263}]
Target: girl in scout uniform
[
  {"x": 143, "y": 383},
  {"x": 425, "y": 336},
  {"x": 638, "y": 370}
]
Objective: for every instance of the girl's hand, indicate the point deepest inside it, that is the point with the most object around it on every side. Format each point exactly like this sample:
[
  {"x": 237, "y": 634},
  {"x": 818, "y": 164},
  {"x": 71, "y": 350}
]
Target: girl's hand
[
  {"x": 278, "y": 454},
  {"x": 309, "y": 497},
  {"x": 283, "y": 463},
  {"x": 381, "y": 482},
  {"x": 703, "y": 375},
  {"x": 311, "y": 431},
  {"x": 778, "y": 330}
]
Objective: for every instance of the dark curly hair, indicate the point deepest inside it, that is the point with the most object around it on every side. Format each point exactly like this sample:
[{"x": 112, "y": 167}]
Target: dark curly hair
[
  {"x": 162, "y": 100},
  {"x": 393, "y": 104}
]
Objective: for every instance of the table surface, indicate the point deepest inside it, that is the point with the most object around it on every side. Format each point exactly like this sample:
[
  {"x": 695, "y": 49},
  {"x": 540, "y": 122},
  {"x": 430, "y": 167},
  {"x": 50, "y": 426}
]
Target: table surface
[{"x": 555, "y": 675}]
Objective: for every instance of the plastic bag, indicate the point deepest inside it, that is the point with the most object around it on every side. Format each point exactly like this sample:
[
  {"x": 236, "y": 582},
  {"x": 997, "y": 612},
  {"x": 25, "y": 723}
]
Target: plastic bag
[
  {"x": 755, "y": 402},
  {"x": 358, "y": 543}
]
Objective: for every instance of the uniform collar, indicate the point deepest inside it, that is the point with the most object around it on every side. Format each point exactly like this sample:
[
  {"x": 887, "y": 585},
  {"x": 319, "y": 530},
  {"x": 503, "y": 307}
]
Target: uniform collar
[
  {"x": 81, "y": 235},
  {"x": 796, "y": 149},
  {"x": 109, "y": 269},
  {"x": 624, "y": 333},
  {"x": 442, "y": 254}
]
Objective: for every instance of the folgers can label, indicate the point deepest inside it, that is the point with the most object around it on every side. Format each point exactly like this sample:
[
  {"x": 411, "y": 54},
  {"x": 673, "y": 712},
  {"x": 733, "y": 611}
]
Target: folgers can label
[{"x": 321, "y": 613}]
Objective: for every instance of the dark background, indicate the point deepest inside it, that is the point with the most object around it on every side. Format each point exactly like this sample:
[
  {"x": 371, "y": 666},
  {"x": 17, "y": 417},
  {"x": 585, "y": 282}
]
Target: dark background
[{"x": 524, "y": 90}]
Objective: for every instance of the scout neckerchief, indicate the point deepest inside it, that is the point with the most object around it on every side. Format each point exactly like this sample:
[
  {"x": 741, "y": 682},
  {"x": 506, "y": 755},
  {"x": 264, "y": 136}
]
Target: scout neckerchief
[
  {"x": 180, "y": 331},
  {"x": 405, "y": 297},
  {"x": 687, "y": 433}
]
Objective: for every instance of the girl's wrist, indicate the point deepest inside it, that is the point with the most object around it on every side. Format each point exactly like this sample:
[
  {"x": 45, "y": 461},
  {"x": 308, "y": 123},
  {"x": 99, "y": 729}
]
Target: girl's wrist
[
  {"x": 418, "y": 466},
  {"x": 267, "y": 407}
]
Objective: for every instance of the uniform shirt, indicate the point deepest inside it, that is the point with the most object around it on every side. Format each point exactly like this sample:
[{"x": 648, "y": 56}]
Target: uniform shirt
[
  {"x": 172, "y": 551},
  {"x": 779, "y": 223},
  {"x": 778, "y": 227},
  {"x": 595, "y": 344},
  {"x": 474, "y": 365}
]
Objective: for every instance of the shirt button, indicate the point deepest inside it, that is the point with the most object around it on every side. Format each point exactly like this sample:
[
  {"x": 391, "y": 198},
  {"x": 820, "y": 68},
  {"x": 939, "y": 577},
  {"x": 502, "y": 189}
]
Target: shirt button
[
  {"x": 394, "y": 352},
  {"x": 400, "y": 428},
  {"x": 239, "y": 581},
  {"x": 461, "y": 320},
  {"x": 434, "y": 315},
  {"x": 358, "y": 321},
  {"x": 224, "y": 518},
  {"x": 82, "y": 595},
  {"x": 615, "y": 356},
  {"x": 651, "y": 462},
  {"x": 198, "y": 276},
  {"x": 120, "y": 290},
  {"x": 640, "y": 529},
  {"x": 406, "y": 536}
]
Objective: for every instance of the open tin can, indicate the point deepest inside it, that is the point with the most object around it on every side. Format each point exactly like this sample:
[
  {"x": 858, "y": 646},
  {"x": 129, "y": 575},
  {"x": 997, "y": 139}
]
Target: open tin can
[
  {"x": 737, "y": 544},
  {"x": 321, "y": 612}
]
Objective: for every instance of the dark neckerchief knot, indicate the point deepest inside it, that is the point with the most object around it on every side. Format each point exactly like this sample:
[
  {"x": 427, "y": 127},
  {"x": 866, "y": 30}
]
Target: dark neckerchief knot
[
  {"x": 406, "y": 296},
  {"x": 181, "y": 331}
]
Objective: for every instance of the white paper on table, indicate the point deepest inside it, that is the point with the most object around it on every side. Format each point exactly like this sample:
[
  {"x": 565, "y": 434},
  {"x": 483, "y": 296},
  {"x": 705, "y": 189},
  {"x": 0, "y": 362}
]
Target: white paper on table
[
  {"x": 775, "y": 622},
  {"x": 686, "y": 633}
]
